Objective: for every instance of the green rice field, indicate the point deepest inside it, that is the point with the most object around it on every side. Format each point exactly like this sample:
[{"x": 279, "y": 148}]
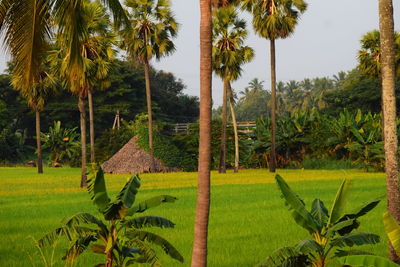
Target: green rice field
[{"x": 248, "y": 219}]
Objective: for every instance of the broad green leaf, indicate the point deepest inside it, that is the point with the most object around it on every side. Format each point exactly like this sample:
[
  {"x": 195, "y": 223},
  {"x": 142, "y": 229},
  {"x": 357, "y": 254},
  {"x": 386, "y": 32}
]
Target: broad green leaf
[
  {"x": 355, "y": 239},
  {"x": 392, "y": 230},
  {"x": 308, "y": 246},
  {"x": 147, "y": 254},
  {"x": 69, "y": 232},
  {"x": 78, "y": 247},
  {"x": 362, "y": 210},
  {"x": 339, "y": 226},
  {"x": 339, "y": 203},
  {"x": 149, "y": 221},
  {"x": 367, "y": 261},
  {"x": 343, "y": 253},
  {"x": 168, "y": 248},
  {"x": 150, "y": 203},
  {"x": 300, "y": 213},
  {"x": 126, "y": 197},
  {"x": 85, "y": 218},
  {"x": 285, "y": 256},
  {"x": 97, "y": 187},
  {"x": 319, "y": 212}
]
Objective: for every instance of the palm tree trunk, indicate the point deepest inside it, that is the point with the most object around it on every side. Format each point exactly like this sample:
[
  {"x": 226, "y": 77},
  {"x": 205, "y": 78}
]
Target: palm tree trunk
[
  {"x": 235, "y": 130},
  {"x": 199, "y": 253},
  {"x": 272, "y": 164},
  {"x": 38, "y": 144},
  {"x": 91, "y": 124},
  {"x": 82, "y": 111},
  {"x": 149, "y": 112},
  {"x": 222, "y": 154},
  {"x": 386, "y": 26}
]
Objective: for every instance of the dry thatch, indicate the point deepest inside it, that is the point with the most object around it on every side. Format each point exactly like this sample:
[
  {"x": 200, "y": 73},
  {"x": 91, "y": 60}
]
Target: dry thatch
[{"x": 133, "y": 159}]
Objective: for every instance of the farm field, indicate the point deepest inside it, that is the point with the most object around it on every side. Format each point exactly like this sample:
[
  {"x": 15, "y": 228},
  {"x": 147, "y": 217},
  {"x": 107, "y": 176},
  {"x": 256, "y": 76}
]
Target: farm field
[{"x": 248, "y": 218}]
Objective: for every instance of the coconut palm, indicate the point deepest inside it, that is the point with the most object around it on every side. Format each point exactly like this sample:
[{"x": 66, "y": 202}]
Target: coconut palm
[
  {"x": 274, "y": 19},
  {"x": 386, "y": 27},
  {"x": 229, "y": 54},
  {"x": 82, "y": 72},
  {"x": 27, "y": 44},
  {"x": 153, "y": 27},
  {"x": 199, "y": 253},
  {"x": 100, "y": 51},
  {"x": 26, "y": 25}
]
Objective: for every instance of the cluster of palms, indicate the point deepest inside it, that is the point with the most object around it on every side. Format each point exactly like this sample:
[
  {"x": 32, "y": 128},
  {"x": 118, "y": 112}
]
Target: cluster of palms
[{"x": 70, "y": 44}]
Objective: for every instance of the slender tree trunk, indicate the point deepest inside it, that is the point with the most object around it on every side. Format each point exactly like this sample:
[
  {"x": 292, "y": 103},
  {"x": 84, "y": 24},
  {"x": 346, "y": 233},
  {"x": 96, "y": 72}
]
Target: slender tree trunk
[
  {"x": 272, "y": 164},
  {"x": 91, "y": 124},
  {"x": 235, "y": 130},
  {"x": 199, "y": 254},
  {"x": 38, "y": 144},
  {"x": 222, "y": 154},
  {"x": 149, "y": 112},
  {"x": 82, "y": 111},
  {"x": 386, "y": 26}
]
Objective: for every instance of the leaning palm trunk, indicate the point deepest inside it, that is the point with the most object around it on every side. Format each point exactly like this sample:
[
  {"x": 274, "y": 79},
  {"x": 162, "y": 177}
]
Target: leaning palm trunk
[
  {"x": 272, "y": 163},
  {"x": 91, "y": 125},
  {"x": 82, "y": 111},
  {"x": 386, "y": 26},
  {"x": 149, "y": 112},
  {"x": 199, "y": 254},
  {"x": 235, "y": 130},
  {"x": 222, "y": 155},
  {"x": 38, "y": 143}
]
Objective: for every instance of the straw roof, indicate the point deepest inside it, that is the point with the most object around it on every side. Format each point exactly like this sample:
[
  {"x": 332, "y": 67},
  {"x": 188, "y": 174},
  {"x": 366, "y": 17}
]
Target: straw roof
[{"x": 133, "y": 159}]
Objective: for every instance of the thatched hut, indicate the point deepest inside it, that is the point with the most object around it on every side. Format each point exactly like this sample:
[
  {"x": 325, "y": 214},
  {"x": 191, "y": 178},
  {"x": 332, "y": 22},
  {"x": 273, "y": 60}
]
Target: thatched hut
[{"x": 133, "y": 159}]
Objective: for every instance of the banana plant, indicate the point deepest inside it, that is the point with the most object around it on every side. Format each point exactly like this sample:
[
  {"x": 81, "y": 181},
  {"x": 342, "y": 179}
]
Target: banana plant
[
  {"x": 392, "y": 229},
  {"x": 120, "y": 238},
  {"x": 331, "y": 233}
]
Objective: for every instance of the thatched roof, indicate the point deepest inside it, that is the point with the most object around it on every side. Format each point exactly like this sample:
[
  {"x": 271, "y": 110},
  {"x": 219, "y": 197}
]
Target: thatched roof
[{"x": 133, "y": 159}]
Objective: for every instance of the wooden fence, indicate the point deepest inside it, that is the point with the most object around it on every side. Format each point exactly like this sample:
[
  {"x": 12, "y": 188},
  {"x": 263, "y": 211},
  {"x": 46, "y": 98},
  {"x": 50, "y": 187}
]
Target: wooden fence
[{"x": 243, "y": 126}]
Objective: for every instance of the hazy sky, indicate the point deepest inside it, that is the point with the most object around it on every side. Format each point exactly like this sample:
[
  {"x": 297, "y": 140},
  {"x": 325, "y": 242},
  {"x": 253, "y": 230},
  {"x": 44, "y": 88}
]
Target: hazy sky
[{"x": 325, "y": 42}]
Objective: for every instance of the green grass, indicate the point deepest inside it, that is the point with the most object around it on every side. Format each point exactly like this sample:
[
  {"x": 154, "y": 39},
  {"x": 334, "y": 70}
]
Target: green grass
[{"x": 248, "y": 219}]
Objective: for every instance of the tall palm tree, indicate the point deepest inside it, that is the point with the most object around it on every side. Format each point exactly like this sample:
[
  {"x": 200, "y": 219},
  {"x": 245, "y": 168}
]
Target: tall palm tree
[
  {"x": 386, "y": 26},
  {"x": 151, "y": 34},
  {"x": 99, "y": 47},
  {"x": 229, "y": 54},
  {"x": 26, "y": 31},
  {"x": 274, "y": 19},
  {"x": 27, "y": 24},
  {"x": 80, "y": 72},
  {"x": 199, "y": 253}
]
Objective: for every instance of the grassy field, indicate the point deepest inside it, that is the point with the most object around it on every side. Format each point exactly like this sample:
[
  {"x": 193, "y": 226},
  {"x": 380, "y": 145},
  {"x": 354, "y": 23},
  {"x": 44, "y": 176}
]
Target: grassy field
[{"x": 248, "y": 218}]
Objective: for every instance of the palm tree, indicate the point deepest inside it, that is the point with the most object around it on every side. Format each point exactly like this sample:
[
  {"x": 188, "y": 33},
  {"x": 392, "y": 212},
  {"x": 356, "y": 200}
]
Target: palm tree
[
  {"x": 81, "y": 72},
  {"x": 27, "y": 24},
  {"x": 100, "y": 52},
  {"x": 273, "y": 19},
  {"x": 199, "y": 253},
  {"x": 229, "y": 55},
  {"x": 153, "y": 27},
  {"x": 27, "y": 43},
  {"x": 386, "y": 26}
]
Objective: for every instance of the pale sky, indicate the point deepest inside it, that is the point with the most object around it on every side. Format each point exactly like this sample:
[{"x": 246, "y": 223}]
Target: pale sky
[{"x": 325, "y": 42}]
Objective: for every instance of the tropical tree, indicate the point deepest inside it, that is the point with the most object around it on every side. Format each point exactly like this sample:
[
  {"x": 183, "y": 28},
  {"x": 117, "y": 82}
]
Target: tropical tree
[
  {"x": 25, "y": 26},
  {"x": 199, "y": 253},
  {"x": 229, "y": 54},
  {"x": 331, "y": 231},
  {"x": 153, "y": 27},
  {"x": 274, "y": 19},
  {"x": 99, "y": 49},
  {"x": 369, "y": 56},
  {"x": 386, "y": 27},
  {"x": 121, "y": 239}
]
